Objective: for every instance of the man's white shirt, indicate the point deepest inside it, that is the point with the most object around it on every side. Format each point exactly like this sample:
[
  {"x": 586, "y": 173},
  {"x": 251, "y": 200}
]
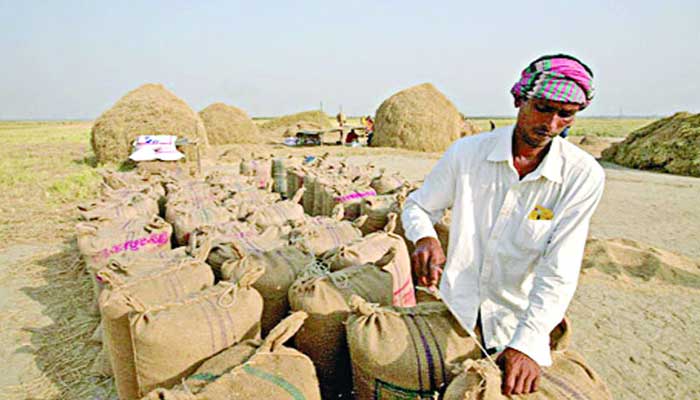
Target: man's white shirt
[{"x": 520, "y": 272}]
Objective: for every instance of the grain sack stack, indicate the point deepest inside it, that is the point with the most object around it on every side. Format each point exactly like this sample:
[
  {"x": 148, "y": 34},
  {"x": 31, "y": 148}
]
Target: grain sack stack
[
  {"x": 170, "y": 340},
  {"x": 669, "y": 145},
  {"x": 419, "y": 118},
  {"x": 260, "y": 168},
  {"x": 227, "y": 125},
  {"x": 404, "y": 352},
  {"x": 325, "y": 299},
  {"x": 252, "y": 369},
  {"x": 148, "y": 110},
  {"x": 168, "y": 283},
  {"x": 318, "y": 235}
]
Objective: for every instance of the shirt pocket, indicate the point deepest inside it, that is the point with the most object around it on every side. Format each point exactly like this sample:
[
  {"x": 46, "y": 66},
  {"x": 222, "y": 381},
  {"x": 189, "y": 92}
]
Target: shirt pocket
[{"x": 533, "y": 234}]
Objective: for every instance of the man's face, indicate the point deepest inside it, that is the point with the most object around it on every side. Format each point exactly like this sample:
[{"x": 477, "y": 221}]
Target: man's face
[{"x": 540, "y": 120}]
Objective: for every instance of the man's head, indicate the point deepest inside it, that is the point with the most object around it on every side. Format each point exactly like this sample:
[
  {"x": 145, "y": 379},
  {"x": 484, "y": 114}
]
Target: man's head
[{"x": 551, "y": 90}]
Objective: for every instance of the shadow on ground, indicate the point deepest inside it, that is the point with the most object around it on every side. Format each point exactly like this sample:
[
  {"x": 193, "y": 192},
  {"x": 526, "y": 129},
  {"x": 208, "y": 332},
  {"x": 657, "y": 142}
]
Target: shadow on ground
[{"x": 63, "y": 350}]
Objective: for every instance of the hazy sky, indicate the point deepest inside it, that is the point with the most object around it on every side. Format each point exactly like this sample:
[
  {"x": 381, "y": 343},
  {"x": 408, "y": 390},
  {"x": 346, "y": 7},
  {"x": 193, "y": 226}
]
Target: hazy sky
[{"x": 74, "y": 59}]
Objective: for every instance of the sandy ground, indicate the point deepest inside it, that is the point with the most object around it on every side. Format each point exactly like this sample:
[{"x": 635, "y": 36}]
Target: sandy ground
[{"x": 642, "y": 336}]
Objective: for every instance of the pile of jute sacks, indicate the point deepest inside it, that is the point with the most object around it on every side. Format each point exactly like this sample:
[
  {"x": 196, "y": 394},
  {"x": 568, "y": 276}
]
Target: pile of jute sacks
[{"x": 285, "y": 278}]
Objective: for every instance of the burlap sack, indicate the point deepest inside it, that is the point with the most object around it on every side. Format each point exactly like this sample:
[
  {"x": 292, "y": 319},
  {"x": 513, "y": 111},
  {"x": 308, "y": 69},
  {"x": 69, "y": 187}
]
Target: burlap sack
[
  {"x": 325, "y": 299},
  {"x": 246, "y": 202},
  {"x": 282, "y": 267},
  {"x": 169, "y": 284},
  {"x": 370, "y": 249},
  {"x": 187, "y": 220},
  {"x": 280, "y": 213},
  {"x": 351, "y": 197},
  {"x": 377, "y": 210},
  {"x": 99, "y": 243},
  {"x": 253, "y": 369},
  {"x": 280, "y": 166},
  {"x": 295, "y": 178},
  {"x": 404, "y": 353},
  {"x": 318, "y": 235},
  {"x": 569, "y": 376},
  {"x": 138, "y": 205},
  {"x": 387, "y": 183},
  {"x": 171, "y": 340},
  {"x": 235, "y": 245},
  {"x": 310, "y": 192},
  {"x": 260, "y": 168}
]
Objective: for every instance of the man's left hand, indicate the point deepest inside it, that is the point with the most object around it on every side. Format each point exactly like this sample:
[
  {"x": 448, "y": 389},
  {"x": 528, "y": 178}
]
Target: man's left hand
[{"x": 522, "y": 373}]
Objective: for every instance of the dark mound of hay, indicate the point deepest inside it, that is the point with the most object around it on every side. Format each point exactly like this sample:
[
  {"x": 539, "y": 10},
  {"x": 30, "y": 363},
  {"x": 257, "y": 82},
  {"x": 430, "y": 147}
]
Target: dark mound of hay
[
  {"x": 149, "y": 110},
  {"x": 669, "y": 145},
  {"x": 314, "y": 118},
  {"x": 226, "y": 124},
  {"x": 418, "y": 118}
]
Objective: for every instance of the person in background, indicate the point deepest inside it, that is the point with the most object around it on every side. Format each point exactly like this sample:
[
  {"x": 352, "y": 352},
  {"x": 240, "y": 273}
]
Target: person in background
[
  {"x": 522, "y": 200},
  {"x": 369, "y": 127}
]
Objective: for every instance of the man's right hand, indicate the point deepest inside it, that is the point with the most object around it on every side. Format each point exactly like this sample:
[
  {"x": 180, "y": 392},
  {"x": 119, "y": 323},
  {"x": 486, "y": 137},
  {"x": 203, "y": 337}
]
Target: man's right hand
[{"x": 427, "y": 261}]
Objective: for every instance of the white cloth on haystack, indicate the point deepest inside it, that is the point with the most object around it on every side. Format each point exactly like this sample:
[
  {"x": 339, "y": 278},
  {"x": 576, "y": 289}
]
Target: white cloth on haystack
[{"x": 155, "y": 147}]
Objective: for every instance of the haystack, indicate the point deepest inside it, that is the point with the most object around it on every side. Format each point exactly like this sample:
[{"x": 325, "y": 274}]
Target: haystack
[
  {"x": 315, "y": 119},
  {"x": 669, "y": 145},
  {"x": 418, "y": 118},
  {"x": 149, "y": 110},
  {"x": 226, "y": 124}
]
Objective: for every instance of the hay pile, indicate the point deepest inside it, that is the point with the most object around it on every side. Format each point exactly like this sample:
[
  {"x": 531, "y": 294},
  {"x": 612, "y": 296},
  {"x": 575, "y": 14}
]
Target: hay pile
[
  {"x": 227, "y": 124},
  {"x": 315, "y": 119},
  {"x": 668, "y": 145},
  {"x": 418, "y": 118},
  {"x": 150, "y": 109}
]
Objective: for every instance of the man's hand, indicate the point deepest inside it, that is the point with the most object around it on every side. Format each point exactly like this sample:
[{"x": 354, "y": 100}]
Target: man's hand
[
  {"x": 427, "y": 261},
  {"x": 522, "y": 373}
]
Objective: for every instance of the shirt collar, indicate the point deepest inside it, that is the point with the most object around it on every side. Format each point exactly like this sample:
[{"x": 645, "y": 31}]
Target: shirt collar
[{"x": 550, "y": 167}]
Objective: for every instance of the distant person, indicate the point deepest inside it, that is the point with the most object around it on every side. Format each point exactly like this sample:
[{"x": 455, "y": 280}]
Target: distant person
[
  {"x": 369, "y": 127},
  {"x": 340, "y": 117},
  {"x": 492, "y": 124},
  {"x": 352, "y": 137},
  {"x": 522, "y": 200}
]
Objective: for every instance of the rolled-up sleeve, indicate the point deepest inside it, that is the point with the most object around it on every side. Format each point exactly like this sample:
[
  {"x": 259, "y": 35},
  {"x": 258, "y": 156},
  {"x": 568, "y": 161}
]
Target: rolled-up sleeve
[
  {"x": 425, "y": 206},
  {"x": 556, "y": 274}
]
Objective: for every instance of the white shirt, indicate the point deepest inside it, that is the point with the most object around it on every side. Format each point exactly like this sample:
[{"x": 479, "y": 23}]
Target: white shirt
[{"x": 521, "y": 273}]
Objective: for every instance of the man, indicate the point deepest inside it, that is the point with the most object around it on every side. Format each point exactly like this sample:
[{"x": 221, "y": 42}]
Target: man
[{"x": 522, "y": 199}]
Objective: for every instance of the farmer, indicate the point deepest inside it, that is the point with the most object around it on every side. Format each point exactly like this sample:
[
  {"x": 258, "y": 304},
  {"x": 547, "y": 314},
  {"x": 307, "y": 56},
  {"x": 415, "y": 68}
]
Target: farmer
[{"x": 522, "y": 199}]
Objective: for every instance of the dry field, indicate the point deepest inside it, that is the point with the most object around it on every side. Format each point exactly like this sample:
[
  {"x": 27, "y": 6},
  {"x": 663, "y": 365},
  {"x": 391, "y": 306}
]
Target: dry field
[{"x": 639, "y": 331}]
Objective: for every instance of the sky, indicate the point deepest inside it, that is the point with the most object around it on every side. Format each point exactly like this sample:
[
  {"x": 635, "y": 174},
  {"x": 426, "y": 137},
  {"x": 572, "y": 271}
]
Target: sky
[{"x": 75, "y": 59}]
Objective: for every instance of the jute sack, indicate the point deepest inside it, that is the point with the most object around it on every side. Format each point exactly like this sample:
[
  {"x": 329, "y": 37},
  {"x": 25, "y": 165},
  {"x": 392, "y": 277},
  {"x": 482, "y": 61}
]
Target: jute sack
[
  {"x": 351, "y": 198},
  {"x": 282, "y": 267},
  {"x": 187, "y": 220},
  {"x": 280, "y": 166},
  {"x": 232, "y": 246},
  {"x": 138, "y": 205},
  {"x": 280, "y": 213},
  {"x": 295, "y": 178},
  {"x": 166, "y": 285},
  {"x": 246, "y": 202},
  {"x": 309, "y": 193},
  {"x": 404, "y": 353},
  {"x": 377, "y": 210},
  {"x": 170, "y": 340},
  {"x": 260, "y": 168},
  {"x": 99, "y": 243},
  {"x": 325, "y": 298},
  {"x": 387, "y": 184},
  {"x": 253, "y": 369},
  {"x": 370, "y": 249},
  {"x": 318, "y": 235},
  {"x": 569, "y": 376}
]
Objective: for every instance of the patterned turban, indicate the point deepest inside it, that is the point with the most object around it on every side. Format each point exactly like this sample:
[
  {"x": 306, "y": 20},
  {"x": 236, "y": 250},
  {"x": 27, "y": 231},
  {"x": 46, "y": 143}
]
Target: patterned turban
[{"x": 558, "y": 78}]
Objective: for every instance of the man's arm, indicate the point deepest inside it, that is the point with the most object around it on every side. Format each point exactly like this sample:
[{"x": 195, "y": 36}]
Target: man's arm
[
  {"x": 556, "y": 275},
  {"x": 423, "y": 209}
]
